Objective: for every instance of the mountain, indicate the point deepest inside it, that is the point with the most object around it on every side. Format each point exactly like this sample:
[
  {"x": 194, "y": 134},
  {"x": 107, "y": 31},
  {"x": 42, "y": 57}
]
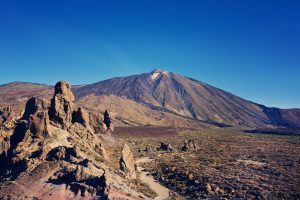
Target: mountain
[
  {"x": 183, "y": 96},
  {"x": 16, "y": 94},
  {"x": 18, "y": 91},
  {"x": 125, "y": 112},
  {"x": 159, "y": 98}
]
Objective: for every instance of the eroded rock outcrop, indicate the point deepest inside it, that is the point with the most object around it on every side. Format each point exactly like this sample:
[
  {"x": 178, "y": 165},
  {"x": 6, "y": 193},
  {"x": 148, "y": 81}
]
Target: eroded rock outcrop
[
  {"x": 99, "y": 148},
  {"x": 189, "y": 145},
  {"x": 4, "y": 147},
  {"x": 6, "y": 125},
  {"x": 62, "y": 104},
  {"x": 34, "y": 105},
  {"x": 127, "y": 163},
  {"x": 63, "y": 109},
  {"x": 36, "y": 113},
  {"x": 62, "y": 153},
  {"x": 166, "y": 146},
  {"x": 6, "y": 117},
  {"x": 81, "y": 117},
  {"x": 96, "y": 122}
]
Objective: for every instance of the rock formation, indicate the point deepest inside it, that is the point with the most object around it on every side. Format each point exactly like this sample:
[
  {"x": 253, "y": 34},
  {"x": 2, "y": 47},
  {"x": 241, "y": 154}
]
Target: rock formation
[
  {"x": 36, "y": 113},
  {"x": 6, "y": 116},
  {"x": 166, "y": 146},
  {"x": 107, "y": 120},
  {"x": 62, "y": 104},
  {"x": 6, "y": 124},
  {"x": 96, "y": 122},
  {"x": 127, "y": 163},
  {"x": 81, "y": 117},
  {"x": 4, "y": 146},
  {"x": 52, "y": 152},
  {"x": 189, "y": 145},
  {"x": 101, "y": 150},
  {"x": 64, "y": 111}
]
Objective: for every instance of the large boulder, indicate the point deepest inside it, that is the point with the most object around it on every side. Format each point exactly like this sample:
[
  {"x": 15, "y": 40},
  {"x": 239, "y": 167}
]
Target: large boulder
[
  {"x": 62, "y": 104},
  {"x": 166, "y": 147},
  {"x": 127, "y": 163},
  {"x": 189, "y": 145},
  {"x": 96, "y": 122}
]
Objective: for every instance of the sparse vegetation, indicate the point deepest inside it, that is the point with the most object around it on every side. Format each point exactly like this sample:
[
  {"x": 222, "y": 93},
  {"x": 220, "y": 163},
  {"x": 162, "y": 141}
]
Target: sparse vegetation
[{"x": 228, "y": 163}]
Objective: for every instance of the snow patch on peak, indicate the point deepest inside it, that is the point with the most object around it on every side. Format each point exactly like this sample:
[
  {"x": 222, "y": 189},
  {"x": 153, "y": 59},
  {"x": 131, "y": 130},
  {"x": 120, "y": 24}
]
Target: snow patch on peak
[
  {"x": 165, "y": 73},
  {"x": 155, "y": 75}
]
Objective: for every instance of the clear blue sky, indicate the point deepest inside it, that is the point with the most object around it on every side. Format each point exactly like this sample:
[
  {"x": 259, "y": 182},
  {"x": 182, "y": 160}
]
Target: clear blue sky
[{"x": 248, "y": 47}]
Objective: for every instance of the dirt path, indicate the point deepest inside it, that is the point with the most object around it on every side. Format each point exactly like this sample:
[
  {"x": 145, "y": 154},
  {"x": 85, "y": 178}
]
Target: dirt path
[{"x": 161, "y": 191}]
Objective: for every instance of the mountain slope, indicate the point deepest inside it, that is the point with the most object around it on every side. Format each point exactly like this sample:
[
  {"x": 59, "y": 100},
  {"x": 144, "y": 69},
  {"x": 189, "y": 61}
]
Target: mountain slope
[
  {"x": 19, "y": 91},
  {"x": 126, "y": 112},
  {"x": 157, "y": 98},
  {"x": 16, "y": 94},
  {"x": 190, "y": 98}
]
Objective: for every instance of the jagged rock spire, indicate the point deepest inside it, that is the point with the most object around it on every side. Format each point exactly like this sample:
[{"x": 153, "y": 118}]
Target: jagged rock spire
[
  {"x": 127, "y": 163},
  {"x": 62, "y": 104}
]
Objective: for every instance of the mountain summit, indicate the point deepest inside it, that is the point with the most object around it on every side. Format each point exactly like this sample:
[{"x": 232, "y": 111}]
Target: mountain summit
[
  {"x": 189, "y": 98},
  {"x": 157, "y": 73}
]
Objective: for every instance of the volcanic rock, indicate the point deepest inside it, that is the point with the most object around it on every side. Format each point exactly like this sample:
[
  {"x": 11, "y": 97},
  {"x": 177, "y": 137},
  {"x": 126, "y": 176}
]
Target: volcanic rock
[
  {"x": 127, "y": 163},
  {"x": 62, "y": 104},
  {"x": 101, "y": 150},
  {"x": 62, "y": 153},
  {"x": 80, "y": 174},
  {"x": 96, "y": 122},
  {"x": 58, "y": 155},
  {"x": 189, "y": 98},
  {"x": 4, "y": 146},
  {"x": 189, "y": 145},
  {"x": 208, "y": 188},
  {"x": 34, "y": 105},
  {"x": 81, "y": 116},
  {"x": 36, "y": 113},
  {"x": 166, "y": 146},
  {"x": 6, "y": 125},
  {"x": 6, "y": 117}
]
